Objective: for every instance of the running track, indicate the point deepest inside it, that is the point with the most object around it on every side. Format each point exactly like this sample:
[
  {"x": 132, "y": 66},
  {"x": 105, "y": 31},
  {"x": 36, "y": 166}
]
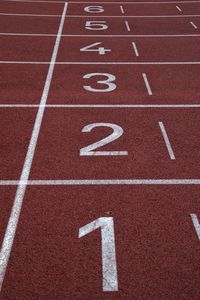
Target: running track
[{"x": 100, "y": 150}]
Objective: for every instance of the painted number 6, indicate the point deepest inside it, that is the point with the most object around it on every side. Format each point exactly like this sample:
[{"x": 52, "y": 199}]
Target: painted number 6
[
  {"x": 108, "y": 82},
  {"x": 94, "y": 9}
]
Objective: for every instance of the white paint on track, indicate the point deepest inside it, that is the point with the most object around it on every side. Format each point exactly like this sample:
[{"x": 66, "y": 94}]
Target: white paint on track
[
  {"x": 101, "y": 105},
  {"x": 146, "y": 81},
  {"x": 196, "y": 224},
  {"x": 18, "y": 201},
  {"x": 103, "y": 182},
  {"x": 194, "y": 25},
  {"x": 178, "y": 8},
  {"x": 104, "y": 63},
  {"x": 127, "y": 26},
  {"x": 167, "y": 142},
  {"x": 101, "y": 35},
  {"x": 135, "y": 49},
  {"x": 107, "y": 2},
  {"x": 122, "y": 9}
]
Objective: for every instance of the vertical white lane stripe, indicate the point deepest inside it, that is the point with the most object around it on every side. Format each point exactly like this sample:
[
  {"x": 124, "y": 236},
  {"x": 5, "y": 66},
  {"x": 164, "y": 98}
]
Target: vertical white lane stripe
[
  {"x": 196, "y": 224},
  {"x": 122, "y": 9},
  {"x": 147, "y": 84},
  {"x": 195, "y": 26},
  {"x": 135, "y": 49},
  {"x": 179, "y": 9},
  {"x": 127, "y": 26},
  {"x": 16, "y": 209},
  {"x": 167, "y": 142}
]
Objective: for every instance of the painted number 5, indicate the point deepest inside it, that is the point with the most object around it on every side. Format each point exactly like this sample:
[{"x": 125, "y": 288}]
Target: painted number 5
[
  {"x": 108, "y": 82},
  {"x": 117, "y": 132}
]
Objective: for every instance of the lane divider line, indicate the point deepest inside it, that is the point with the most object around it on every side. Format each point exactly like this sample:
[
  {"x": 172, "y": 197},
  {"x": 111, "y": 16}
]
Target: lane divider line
[
  {"x": 21, "y": 189},
  {"x": 122, "y": 9},
  {"x": 106, "y": 2},
  {"x": 101, "y": 35},
  {"x": 103, "y": 182},
  {"x": 196, "y": 224},
  {"x": 135, "y": 49},
  {"x": 127, "y": 26},
  {"x": 144, "y": 75},
  {"x": 101, "y": 105},
  {"x": 167, "y": 142},
  {"x": 179, "y": 9},
  {"x": 194, "y": 25}
]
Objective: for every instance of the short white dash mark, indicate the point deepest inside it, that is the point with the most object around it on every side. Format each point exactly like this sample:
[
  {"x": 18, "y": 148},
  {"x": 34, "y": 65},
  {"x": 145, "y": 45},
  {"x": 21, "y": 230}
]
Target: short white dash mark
[
  {"x": 147, "y": 84},
  {"x": 194, "y": 25},
  {"x": 127, "y": 26},
  {"x": 196, "y": 224},
  {"x": 122, "y": 9},
  {"x": 179, "y": 9},
  {"x": 167, "y": 142},
  {"x": 135, "y": 49}
]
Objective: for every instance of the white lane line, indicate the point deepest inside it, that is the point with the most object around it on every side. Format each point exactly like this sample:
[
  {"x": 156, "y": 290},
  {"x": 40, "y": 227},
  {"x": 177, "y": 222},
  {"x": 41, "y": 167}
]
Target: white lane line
[
  {"x": 194, "y": 25},
  {"x": 101, "y": 35},
  {"x": 127, "y": 26},
  {"x": 135, "y": 49},
  {"x": 147, "y": 84},
  {"x": 103, "y": 182},
  {"x": 107, "y": 2},
  {"x": 103, "y": 63},
  {"x": 122, "y": 9},
  {"x": 167, "y": 142},
  {"x": 94, "y": 16},
  {"x": 179, "y": 9},
  {"x": 18, "y": 201},
  {"x": 196, "y": 224},
  {"x": 101, "y": 105}
]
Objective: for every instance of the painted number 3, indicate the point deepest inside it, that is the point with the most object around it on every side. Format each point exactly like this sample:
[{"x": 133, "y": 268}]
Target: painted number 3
[{"x": 108, "y": 82}]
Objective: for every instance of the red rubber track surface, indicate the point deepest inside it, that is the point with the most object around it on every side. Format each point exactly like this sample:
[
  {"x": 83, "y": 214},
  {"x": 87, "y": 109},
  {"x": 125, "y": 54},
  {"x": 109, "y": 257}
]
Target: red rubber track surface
[{"x": 151, "y": 193}]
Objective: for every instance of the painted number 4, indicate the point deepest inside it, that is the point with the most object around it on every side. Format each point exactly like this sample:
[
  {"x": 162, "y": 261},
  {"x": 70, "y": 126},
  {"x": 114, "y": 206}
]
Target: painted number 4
[
  {"x": 109, "y": 266},
  {"x": 91, "y": 48}
]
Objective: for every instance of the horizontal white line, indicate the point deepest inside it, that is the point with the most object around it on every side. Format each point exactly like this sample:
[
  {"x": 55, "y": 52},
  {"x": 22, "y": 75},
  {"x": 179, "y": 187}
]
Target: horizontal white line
[
  {"x": 100, "y": 35},
  {"x": 107, "y": 2},
  {"x": 101, "y": 105},
  {"x": 95, "y": 16},
  {"x": 102, "y": 63},
  {"x": 104, "y": 182}
]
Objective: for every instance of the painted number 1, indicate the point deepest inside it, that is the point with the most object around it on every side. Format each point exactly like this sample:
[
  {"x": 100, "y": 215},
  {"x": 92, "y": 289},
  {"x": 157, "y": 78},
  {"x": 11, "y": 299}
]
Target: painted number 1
[{"x": 109, "y": 265}]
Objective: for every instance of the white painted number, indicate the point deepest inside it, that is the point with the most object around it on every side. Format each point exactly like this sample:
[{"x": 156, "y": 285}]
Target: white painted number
[
  {"x": 90, "y": 48},
  {"x": 117, "y": 132},
  {"x": 94, "y": 9},
  {"x": 96, "y": 25},
  {"x": 109, "y": 265},
  {"x": 108, "y": 82}
]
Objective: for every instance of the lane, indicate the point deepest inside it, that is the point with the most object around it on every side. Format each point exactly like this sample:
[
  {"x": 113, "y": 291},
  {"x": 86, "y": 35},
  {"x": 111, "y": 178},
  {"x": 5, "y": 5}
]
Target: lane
[
  {"x": 147, "y": 156},
  {"x": 18, "y": 84},
  {"x": 130, "y": 49},
  {"x": 31, "y": 7},
  {"x": 124, "y": 84},
  {"x": 22, "y": 24},
  {"x": 19, "y": 48},
  {"x": 158, "y": 9},
  {"x": 156, "y": 244},
  {"x": 14, "y": 143},
  {"x": 108, "y": 26}
]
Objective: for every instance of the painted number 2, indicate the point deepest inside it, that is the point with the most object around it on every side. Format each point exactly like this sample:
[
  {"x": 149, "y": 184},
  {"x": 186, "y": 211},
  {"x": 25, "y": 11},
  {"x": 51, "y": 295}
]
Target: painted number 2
[
  {"x": 109, "y": 266},
  {"x": 108, "y": 82},
  {"x": 117, "y": 132}
]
